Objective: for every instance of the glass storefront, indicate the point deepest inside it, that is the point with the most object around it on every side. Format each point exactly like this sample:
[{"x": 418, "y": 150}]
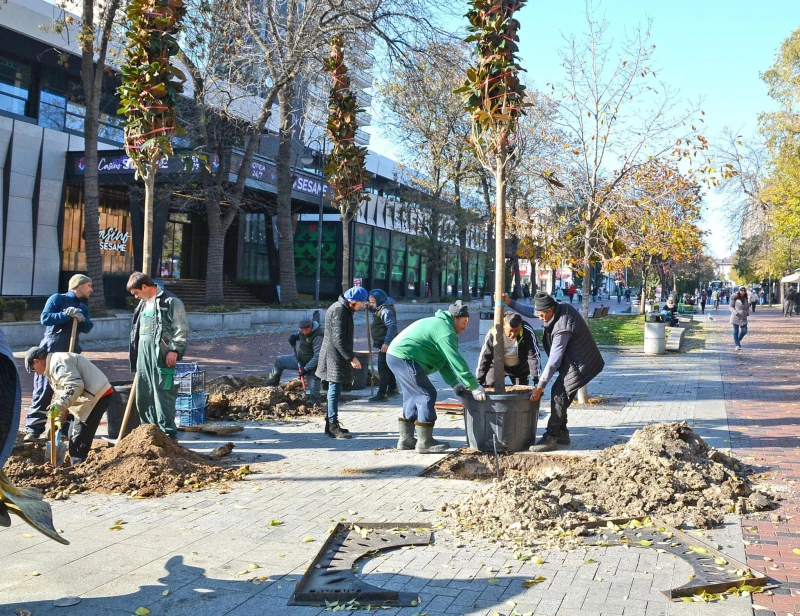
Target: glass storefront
[
  {"x": 380, "y": 262},
  {"x": 255, "y": 260},
  {"x": 363, "y": 255},
  {"x": 398, "y": 265},
  {"x": 15, "y": 81}
]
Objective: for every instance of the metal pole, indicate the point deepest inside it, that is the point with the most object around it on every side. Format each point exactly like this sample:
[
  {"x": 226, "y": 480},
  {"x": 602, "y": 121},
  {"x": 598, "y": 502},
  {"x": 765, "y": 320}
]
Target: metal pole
[{"x": 319, "y": 224}]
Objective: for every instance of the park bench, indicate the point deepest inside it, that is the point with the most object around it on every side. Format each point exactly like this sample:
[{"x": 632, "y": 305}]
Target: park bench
[
  {"x": 685, "y": 308},
  {"x": 685, "y": 320},
  {"x": 599, "y": 313},
  {"x": 675, "y": 338}
]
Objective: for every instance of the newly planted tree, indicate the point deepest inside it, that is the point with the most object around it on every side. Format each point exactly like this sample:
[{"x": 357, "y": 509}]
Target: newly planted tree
[
  {"x": 345, "y": 169},
  {"x": 149, "y": 94},
  {"x": 495, "y": 97}
]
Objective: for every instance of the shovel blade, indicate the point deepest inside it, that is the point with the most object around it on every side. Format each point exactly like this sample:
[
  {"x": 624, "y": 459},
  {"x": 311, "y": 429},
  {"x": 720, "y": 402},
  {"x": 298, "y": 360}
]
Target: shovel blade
[
  {"x": 30, "y": 506},
  {"x": 61, "y": 453}
]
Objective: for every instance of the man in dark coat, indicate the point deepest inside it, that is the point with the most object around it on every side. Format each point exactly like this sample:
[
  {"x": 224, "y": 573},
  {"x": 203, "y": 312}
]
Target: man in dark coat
[
  {"x": 336, "y": 359},
  {"x": 571, "y": 351},
  {"x": 383, "y": 330},
  {"x": 521, "y": 359},
  {"x": 791, "y": 296}
]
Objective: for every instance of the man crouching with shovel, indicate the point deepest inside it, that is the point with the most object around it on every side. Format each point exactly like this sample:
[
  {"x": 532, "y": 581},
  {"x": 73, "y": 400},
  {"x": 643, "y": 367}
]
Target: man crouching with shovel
[{"x": 80, "y": 388}]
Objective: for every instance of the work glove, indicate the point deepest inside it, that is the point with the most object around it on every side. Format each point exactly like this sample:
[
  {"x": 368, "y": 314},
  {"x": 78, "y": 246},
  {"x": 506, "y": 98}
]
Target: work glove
[
  {"x": 479, "y": 393},
  {"x": 293, "y": 339},
  {"x": 75, "y": 313},
  {"x": 54, "y": 411},
  {"x": 301, "y": 371},
  {"x": 459, "y": 390}
]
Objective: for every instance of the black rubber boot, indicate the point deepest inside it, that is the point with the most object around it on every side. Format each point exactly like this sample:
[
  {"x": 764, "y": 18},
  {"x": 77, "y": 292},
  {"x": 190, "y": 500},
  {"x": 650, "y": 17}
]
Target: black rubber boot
[
  {"x": 563, "y": 437},
  {"x": 274, "y": 379},
  {"x": 546, "y": 443},
  {"x": 406, "y": 440}
]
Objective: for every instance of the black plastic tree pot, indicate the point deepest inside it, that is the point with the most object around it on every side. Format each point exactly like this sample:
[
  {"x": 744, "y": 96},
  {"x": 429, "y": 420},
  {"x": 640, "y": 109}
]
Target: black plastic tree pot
[
  {"x": 511, "y": 419},
  {"x": 116, "y": 410}
]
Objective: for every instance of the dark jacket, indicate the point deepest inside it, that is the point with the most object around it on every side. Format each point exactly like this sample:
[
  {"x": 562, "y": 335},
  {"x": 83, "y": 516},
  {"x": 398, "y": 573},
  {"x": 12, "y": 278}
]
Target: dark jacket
[
  {"x": 791, "y": 295},
  {"x": 10, "y": 399},
  {"x": 310, "y": 346},
  {"x": 384, "y": 320},
  {"x": 582, "y": 360},
  {"x": 59, "y": 324},
  {"x": 170, "y": 326},
  {"x": 337, "y": 346},
  {"x": 528, "y": 350}
]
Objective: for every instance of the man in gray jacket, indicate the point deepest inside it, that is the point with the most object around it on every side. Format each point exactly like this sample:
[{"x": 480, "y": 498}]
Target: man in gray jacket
[
  {"x": 306, "y": 343},
  {"x": 571, "y": 351}
]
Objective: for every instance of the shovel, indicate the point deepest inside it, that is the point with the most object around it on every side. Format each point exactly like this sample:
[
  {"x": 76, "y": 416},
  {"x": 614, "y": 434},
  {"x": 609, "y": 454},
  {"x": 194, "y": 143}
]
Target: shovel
[{"x": 55, "y": 450}]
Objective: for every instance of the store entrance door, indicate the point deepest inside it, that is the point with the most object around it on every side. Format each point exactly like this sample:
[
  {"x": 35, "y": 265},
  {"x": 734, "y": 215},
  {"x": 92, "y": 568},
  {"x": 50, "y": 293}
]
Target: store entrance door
[{"x": 175, "y": 251}]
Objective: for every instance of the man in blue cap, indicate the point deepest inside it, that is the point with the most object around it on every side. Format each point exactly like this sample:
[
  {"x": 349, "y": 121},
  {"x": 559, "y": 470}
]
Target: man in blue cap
[
  {"x": 307, "y": 344},
  {"x": 383, "y": 331},
  {"x": 336, "y": 359}
]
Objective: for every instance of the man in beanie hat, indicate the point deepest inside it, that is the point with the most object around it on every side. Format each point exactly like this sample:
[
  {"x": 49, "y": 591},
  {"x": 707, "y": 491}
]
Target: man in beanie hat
[
  {"x": 336, "y": 359},
  {"x": 306, "y": 344},
  {"x": 571, "y": 351},
  {"x": 80, "y": 388},
  {"x": 57, "y": 317},
  {"x": 427, "y": 346},
  {"x": 383, "y": 331}
]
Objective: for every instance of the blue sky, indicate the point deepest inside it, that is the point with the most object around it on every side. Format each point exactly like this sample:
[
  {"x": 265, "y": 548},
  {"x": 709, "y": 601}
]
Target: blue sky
[{"x": 710, "y": 49}]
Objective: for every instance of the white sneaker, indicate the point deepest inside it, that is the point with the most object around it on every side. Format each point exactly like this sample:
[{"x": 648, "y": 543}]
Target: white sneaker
[{"x": 738, "y": 348}]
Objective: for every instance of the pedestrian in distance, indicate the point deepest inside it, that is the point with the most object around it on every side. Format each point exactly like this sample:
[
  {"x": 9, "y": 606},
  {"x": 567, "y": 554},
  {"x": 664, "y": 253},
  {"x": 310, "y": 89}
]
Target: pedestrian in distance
[
  {"x": 762, "y": 296},
  {"x": 572, "y": 352},
  {"x": 753, "y": 299},
  {"x": 797, "y": 301},
  {"x": 559, "y": 294},
  {"x": 383, "y": 330},
  {"x": 521, "y": 353},
  {"x": 703, "y": 300},
  {"x": 791, "y": 296},
  {"x": 571, "y": 292},
  {"x": 715, "y": 298},
  {"x": 79, "y": 388},
  {"x": 306, "y": 345},
  {"x": 424, "y": 347},
  {"x": 740, "y": 310},
  {"x": 526, "y": 293},
  {"x": 57, "y": 316},
  {"x": 337, "y": 359},
  {"x": 627, "y": 295},
  {"x": 159, "y": 331}
]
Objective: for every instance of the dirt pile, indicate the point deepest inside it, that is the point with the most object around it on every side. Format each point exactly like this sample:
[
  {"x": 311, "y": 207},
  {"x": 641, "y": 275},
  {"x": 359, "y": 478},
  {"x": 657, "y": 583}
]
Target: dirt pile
[
  {"x": 250, "y": 399},
  {"x": 666, "y": 471},
  {"x": 146, "y": 463}
]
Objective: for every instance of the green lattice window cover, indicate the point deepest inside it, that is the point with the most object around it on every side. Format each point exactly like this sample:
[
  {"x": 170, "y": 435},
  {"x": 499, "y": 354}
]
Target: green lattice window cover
[
  {"x": 305, "y": 249},
  {"x": 380, "y": 255},
  {"x": 413, "y": 266},
  {"x": 398, "y": 256},
  {"x": 363, "y": 251},
  {"x": 481, "y": 270}
]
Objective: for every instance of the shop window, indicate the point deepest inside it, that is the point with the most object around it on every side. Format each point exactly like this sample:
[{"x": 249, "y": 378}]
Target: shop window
[
  {"x": 363, "y": 254},
  {"x": 398, "y": 264},
  {"x": 15, "y": 80},
  {"x": 116, "y": 244},
  {"x": 305, "y": 250},
  {"x": 255, "y": 260},
  {"x": 412, "y": 273},
  {"x": 380, "y": 260}
]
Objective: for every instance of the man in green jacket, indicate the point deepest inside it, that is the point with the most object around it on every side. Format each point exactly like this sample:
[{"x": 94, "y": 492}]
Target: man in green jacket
[
  {"x": 427, "y": 346},
  {"x": 158, "y": 340}
]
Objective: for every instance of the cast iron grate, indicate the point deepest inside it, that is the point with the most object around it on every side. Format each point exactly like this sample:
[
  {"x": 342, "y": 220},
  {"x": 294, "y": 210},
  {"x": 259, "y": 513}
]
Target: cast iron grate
[
  {"x": 331, "y": 575},
  {"x": 711, "y": 574}
]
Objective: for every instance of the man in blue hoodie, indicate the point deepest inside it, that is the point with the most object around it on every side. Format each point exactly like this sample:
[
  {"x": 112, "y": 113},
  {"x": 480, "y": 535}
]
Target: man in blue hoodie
[
  {"x": 383, "y": 331},
  {"x": 57, "y": 316}
]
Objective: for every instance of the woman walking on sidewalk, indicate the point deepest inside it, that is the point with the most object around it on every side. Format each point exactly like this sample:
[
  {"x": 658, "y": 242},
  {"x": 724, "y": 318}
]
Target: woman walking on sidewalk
[{"x": 739, "y": 310}]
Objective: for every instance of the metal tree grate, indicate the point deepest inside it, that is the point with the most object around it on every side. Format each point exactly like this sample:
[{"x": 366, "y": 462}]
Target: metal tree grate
[
  {"x": 331, "y": 575},
  {"x": 710, "y": 574}
]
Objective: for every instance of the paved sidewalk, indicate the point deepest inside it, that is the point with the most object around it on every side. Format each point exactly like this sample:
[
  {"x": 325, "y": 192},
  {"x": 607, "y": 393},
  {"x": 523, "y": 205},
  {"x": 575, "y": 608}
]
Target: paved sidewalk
[
  {"x": 196, "y": 545},
  {"x": 762, "y": 397}
]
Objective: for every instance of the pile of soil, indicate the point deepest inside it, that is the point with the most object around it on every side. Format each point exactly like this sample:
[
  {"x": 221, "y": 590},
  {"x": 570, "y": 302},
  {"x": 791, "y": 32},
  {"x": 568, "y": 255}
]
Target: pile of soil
[
  {"x": 472, "y": 466},
  {"x": 665, "y": 471},
  {"x": 145, "y": 464},
  {"x": 250, "y": 399}
]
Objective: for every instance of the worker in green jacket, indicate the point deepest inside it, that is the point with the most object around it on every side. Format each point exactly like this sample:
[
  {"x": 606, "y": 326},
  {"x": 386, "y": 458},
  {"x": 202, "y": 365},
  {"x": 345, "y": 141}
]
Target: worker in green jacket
[
  {"x": 427, "y": 346},
  {"x": 158, "y": 341}
]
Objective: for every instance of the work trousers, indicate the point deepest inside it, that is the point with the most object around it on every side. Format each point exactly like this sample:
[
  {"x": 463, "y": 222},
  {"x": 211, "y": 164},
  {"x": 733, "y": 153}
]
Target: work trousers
[
  {"x": 560, "y": 401},
  {"x": 82, "y": 433},
  {"x": 387, "y": 380},
  {"x": 155, "y": 388},
  {"x": 289, "y": 362},
  {"x": 419, "y": 394},
  {"x": 42, "y": 396}
]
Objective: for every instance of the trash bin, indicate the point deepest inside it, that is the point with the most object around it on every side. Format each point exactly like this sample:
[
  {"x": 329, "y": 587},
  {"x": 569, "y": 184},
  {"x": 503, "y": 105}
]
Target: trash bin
[
  {"x": 485, "y": 323},
  {"x": 487, "y": 301},
  {"x": 360, "y": 377},
  {"x": 655, "y": 341},
  {"x": 116, "y": 409}
]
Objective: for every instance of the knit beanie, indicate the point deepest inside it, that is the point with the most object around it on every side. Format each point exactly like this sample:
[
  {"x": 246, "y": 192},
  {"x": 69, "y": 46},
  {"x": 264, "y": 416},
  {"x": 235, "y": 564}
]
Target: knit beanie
[
  {"x": 356, "y": 294},
  {"x": 458, "y": 309},
  {"x": 543, "y": 301},
  {"x": 77, "y": 280}
]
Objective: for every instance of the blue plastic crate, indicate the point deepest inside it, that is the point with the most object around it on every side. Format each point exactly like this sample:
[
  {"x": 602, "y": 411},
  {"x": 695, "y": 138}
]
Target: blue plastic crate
[
  {"x": 193, "y": 417},
  {"x": 190, "y": 409},
  {"x": 184, "y": 367},
  {"x": 184, "y": 402}
]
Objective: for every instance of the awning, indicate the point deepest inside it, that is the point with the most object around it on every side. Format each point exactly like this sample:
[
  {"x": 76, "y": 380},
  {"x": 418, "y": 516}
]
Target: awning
[{"x": 792, "y": 277}]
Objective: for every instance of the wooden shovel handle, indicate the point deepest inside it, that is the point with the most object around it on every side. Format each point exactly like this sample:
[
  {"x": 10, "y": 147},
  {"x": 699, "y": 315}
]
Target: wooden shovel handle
[
  {"x": 128, "y": 407},
  {"x": 53, "y": 443},
  {"x": 74, "y": 336}
]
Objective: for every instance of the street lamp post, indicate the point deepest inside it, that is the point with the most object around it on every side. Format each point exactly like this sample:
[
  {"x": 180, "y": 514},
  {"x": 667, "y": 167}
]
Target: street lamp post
[{"x": 318, "y": 162}]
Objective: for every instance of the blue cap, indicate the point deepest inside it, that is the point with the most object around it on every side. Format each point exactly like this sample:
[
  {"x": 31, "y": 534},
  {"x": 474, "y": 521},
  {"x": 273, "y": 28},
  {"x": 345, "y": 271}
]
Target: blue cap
[{"x": 356, "y": 294}]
